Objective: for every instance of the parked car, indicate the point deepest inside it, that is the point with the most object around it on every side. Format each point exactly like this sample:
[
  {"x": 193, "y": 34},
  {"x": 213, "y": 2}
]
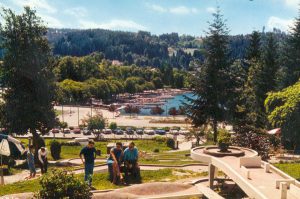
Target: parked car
[
  {"x": 55, "y": 130},
  {"x": 129, "y": 131},
  {"x": 86, "y": 131},
  {"x": 140, "y": 131},
  {"x": 77, "y": 131},
  {"x": 118, "y": 131},
  {"x": 183, "y": 132},
  {"x": 67, "y": 131},
  {"x": 107, "y": 131},
  {"x": 149, "y": 132},
  {"x": 174, "y": 132},
  {"x": 160, "y": 132}
]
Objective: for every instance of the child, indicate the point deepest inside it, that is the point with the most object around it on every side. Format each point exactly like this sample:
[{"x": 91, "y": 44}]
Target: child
[{"x": 30, "y": 161}]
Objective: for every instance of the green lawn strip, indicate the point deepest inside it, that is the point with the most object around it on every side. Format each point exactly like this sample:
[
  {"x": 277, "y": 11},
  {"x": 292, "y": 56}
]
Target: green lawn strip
[
  {"x": 293, "y": 169},
  {"x": 100, "y": 180}
]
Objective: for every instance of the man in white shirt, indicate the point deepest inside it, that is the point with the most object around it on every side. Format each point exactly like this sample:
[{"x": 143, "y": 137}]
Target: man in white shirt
[{"x": 42, "y": 155}]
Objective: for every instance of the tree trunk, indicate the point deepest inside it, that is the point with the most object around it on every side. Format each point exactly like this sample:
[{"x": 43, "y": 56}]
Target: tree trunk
[
  {"x": 35, "y": 143},
  {"x": 215, "y": 129}
]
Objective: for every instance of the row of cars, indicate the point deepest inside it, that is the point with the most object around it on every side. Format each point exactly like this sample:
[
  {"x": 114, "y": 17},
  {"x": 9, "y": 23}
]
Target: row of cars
[{"x": 119, "y": 131}]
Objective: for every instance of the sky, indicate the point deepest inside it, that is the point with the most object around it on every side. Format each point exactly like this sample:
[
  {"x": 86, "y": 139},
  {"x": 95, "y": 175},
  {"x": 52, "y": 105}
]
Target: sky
[{"x": 162, "y": 16}]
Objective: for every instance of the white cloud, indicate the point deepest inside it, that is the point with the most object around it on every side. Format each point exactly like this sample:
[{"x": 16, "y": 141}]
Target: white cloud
[
  {"x": 76, "y": 11},
  {"x": 182, "y": 10},
  {"x": 51, "y": 22},
  {"x": 211, "y": 10},
  {"x": 112, "y": 25},
  {"x": 37, "y": 4},
  {"x": 179, "y": 10},
  {"x": 292, "y": 3},
  {"x": 282, "y": 24},
  {"x": 157, "y": 8}
]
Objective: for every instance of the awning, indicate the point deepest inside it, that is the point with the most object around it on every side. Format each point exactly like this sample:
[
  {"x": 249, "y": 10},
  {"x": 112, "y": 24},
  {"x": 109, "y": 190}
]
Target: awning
[{"x": 276, "y": 131}]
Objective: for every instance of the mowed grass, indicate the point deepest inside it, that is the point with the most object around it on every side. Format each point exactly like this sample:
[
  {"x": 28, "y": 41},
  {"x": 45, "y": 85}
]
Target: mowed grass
[
  {"x": 68, "y": 152},
  {"x": 101, "y": 182},
  {"x": 293, "y": 169}
]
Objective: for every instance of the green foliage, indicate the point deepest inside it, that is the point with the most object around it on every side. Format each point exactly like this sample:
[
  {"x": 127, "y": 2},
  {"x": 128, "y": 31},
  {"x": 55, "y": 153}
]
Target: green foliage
[
  {"x": 55, "y": 149},
  {"x": 96, "y": 122},
  {"x": 113, "y": 125},
  {"x": 224, "y": 137},
  {"x": 156, "y": 150},
  {"x": 283, "y": 109},
  {"x": 170, "y": 143},
  {"x": 28, "y": 76},
  {"x": 60, "y": 184}
]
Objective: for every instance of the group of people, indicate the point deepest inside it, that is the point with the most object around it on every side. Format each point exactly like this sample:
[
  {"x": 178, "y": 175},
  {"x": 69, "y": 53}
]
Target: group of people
[
  {"x": 115, "y": 160},
  {"x": 42, "y": 160}
]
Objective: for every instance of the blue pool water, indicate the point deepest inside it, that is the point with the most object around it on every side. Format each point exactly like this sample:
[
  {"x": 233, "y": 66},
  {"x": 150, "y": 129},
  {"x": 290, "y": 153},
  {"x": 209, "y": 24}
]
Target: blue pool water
[{"x": 177, "y": 101}]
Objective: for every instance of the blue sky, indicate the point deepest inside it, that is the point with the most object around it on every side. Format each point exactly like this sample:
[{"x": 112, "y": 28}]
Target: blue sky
[{"x": 162, "y": 16}]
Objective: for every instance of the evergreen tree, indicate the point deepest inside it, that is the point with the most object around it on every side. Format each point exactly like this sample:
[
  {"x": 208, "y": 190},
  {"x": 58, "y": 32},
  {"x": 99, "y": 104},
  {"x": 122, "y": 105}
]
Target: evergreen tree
[
  {"x": 27, "y": 75},
  {"x": 254, "y": 51},
  {"x": 270, "y": 63},
  {"x": 290, "y": 58},
  {"x": 211, "y": 86}
]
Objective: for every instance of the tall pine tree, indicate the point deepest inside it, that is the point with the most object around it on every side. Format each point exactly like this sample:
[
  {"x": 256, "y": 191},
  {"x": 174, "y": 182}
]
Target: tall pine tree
[{"x": 211, "y": 86}]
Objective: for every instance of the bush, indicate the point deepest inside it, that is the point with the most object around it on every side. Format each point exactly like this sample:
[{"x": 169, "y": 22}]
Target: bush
[
  {"x": 156, "y": 150},
  {"x": 113, "y": 126},
  {"x": 160, "y": 139},
  {"x": 171, "y": 143},
  {"x": 224, "y": 139},
  {"x": 58, "y": 184},
  {"x": 55, "y": 148},
  {"x": 70, "y": 144}
]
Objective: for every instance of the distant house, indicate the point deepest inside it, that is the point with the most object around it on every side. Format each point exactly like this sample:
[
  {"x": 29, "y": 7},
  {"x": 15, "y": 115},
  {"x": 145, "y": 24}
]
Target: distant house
[{"x": 116, "y": 63}]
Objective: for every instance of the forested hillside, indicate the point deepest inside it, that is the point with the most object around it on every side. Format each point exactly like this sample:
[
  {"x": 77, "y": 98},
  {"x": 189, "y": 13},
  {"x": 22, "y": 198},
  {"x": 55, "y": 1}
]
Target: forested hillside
[{"x": 143, "y": 48}]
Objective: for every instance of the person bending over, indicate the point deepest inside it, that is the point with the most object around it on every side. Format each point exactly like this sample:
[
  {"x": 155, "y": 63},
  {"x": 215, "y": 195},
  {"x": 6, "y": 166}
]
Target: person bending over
[
  {"x": 42, "y": 155},
  {"x": 115, "y": 158}
]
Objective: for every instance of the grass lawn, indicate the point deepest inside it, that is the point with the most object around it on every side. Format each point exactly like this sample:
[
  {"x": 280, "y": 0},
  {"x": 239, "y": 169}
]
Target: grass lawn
[
  {"x": 73, "y": 151},
  {"x": 293, "y": 169},
  {"x": 100, "y": 180}
]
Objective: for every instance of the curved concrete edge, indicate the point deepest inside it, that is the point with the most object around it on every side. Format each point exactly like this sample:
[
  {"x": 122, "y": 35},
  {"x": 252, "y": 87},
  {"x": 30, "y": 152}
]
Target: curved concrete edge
[{"x": 249, "y": 189}]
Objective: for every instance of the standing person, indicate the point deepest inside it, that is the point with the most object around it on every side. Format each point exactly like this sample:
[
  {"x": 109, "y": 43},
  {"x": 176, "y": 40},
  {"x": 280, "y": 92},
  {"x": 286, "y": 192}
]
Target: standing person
[
  {"x": 115, "y": 160},
  {"x": 42, "y": 155},
  {"x": 89, "y": 153},
  {"x": 30, "y": 162}
]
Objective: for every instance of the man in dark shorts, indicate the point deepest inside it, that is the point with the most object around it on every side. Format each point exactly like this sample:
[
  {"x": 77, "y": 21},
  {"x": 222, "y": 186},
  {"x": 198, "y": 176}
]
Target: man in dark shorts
[{"x": 89, "y": 153}]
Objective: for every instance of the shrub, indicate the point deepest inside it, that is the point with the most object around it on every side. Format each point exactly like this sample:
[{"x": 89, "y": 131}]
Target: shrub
[
  {"x": 58, "y": 184},
  {"x": 156, "y": 150},
  {"x": 224, "y": 139},
  {"x": 55, "y": 148},
  {"x": 160, "y": 139},
  {"x": 171, "y": 143},
  {"x": 113, "y": 126},
  {"x": 70, "y": 144}
]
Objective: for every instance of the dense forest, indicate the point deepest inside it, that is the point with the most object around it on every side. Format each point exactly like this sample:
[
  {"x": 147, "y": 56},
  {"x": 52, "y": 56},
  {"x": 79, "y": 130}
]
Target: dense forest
[{"x": 143, "y": 48}]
